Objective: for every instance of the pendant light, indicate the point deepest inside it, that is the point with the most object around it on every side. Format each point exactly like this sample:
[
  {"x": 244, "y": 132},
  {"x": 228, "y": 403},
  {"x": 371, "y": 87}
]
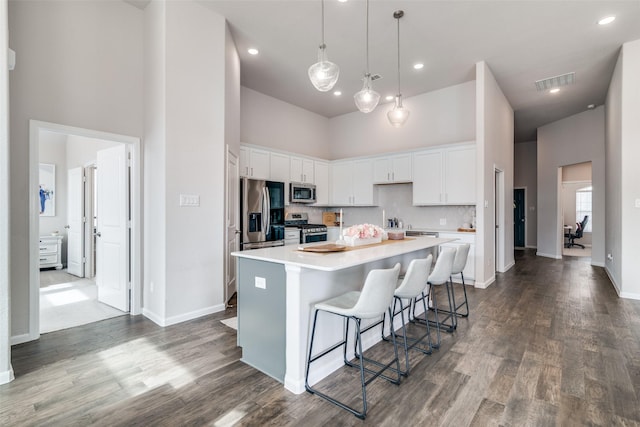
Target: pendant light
[
  {"x": 323, "y": 74},
  {"x": 398, "y": 115},
  {"x": 367, "y": 99}
]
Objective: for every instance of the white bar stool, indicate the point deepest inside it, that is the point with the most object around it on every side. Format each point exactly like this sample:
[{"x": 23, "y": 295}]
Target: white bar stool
[
  {"x": 459, "y": 262},
  {"x": 440, "y": 276},
  {"x": 372, "y": 302}
]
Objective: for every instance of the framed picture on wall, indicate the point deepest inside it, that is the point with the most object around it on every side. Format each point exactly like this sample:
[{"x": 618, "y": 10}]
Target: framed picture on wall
[{"x": 47, "y": 194}]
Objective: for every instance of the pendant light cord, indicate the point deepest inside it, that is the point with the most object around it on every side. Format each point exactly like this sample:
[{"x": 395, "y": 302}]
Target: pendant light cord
[
  {"x": 322, "y": 46},
  {"x": 398, "y": 19},
  {"x": 367, "y": 36}
]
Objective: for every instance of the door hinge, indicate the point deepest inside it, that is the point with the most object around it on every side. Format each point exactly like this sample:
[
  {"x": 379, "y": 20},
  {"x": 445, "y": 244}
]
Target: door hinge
[
  {"x": 84, "y": 219},
  {"x": 84, "y": 260},
  {"x": 129, "y": 223},
  {"x": 84, "y": 178}
]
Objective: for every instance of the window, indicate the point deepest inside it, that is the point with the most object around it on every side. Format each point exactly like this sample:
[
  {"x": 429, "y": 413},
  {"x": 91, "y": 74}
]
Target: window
[{"x": 583, "y": 206}]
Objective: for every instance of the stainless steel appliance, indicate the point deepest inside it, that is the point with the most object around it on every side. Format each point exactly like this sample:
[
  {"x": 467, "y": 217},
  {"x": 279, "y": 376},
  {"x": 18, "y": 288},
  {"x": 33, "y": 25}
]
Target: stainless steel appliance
[
  {"x": 302, "y": 193},
  {"x": 262, "y": 207},
  {"x": 309, "y": 233}
]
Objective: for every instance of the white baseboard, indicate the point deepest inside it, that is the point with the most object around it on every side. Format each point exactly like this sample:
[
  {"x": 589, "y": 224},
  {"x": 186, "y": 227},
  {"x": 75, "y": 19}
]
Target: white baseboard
[
  {"x": 508, "y": 266},
  {"x": 554, "y": 256},
  {"x": 531, "y": 247},
  {"x": 173, "y": 320},
  {"x": 485, "y": 285},
  {"x": 19, "y": 339},
  {"x": 598, "y": 264},
  {"x": 615, "y": 285},
  {"x": 626, "y": 295},
  {"x": 7, "y": 376}
]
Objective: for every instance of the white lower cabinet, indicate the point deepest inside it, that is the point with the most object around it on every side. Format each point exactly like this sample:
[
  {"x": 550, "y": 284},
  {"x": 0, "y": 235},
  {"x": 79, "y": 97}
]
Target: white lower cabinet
[
  {"x": 51, "y": 252},
  {"x": 470, "y": 269}
]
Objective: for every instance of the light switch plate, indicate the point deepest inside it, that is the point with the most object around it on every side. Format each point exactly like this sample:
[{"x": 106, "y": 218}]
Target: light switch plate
[
  {"x": 190, "y": 200},
  {"x": 261, "y": 282}
]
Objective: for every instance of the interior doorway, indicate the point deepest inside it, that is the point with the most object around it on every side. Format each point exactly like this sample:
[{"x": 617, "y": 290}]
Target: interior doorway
[
  {"x": 519, "y": 218},
  {"x": 499, "y": 221},
  {"x": 576, "y": 210},
  {"x": 122, "y": 154}
]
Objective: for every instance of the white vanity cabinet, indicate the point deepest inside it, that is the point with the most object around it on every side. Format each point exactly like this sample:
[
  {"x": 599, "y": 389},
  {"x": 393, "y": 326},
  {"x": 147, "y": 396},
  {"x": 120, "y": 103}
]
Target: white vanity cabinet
[
  {"x": 463, "y": 237},
  {"x": 51, "y": 252}
]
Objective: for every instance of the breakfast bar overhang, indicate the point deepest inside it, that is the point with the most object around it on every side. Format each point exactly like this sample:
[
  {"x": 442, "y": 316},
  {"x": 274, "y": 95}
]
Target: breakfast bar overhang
[{"x": 277, "y": 288}]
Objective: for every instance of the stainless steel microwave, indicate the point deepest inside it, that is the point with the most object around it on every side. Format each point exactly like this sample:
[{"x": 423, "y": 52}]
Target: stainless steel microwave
[{"x": 302, "y": 193}]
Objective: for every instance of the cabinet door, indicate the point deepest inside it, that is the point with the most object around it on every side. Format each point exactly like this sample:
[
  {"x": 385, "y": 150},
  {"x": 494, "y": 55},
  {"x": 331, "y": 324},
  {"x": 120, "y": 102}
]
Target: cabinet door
[
  {"x": 401, "y": 168},
  {"x": 460, "y": 176},
  {"x": 341, "y": 184},
  {"x": 279, "y": 165},
  {"x": 382, "y": 171},
  {"x": 259, "y": 164},
  {"x": 244, "y": 161},
  {"x": 308, "y": 174},
  {"x": 427, "y": 178},
  {"x": 296, "y": 169},
  {"x": 362, "y": 194},
  {"x": 321, "y": 178}
]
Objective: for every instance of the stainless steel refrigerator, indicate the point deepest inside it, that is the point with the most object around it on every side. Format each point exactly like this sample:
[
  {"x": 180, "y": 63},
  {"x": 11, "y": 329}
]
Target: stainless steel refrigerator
[{"x": 262, "y": 210}]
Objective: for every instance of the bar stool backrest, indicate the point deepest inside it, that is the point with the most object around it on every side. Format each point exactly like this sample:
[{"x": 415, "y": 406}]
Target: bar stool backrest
[
  {"x": 460, "y": 261},
  {"x": 415, "y": 280},
  {"x": 444, "y": 264},
  {"x": 377, "y": 293}
]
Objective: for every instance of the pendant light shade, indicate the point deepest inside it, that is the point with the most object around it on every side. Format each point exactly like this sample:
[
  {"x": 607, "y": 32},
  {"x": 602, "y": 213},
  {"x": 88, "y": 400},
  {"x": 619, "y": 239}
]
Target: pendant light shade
[
  {"x": 323, "y": 74},
  {"x": 367, "y": 99},
  {"x": 398, "y": 115}
]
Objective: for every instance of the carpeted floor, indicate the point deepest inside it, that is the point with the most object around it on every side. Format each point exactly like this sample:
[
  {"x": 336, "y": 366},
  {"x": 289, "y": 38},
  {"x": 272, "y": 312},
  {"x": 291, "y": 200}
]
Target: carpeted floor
[
  {"x": 577, "y": 251},
  {"x": 66, "y": 305}
]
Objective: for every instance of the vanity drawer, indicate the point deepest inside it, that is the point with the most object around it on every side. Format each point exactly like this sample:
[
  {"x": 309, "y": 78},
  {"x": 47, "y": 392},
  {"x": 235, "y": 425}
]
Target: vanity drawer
[
  {"x": 48, "y": 259},
  {"x": 46, "y": 247}
]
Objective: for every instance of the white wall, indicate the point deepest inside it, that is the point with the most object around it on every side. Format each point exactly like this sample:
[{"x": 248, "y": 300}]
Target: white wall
[
  {"x": 53, "y": 150},
  {"x": 186, "y": 133},
  {"x": 79, "y": 64},
  {"x": 525, "y": 171},
  {"x": 576, "y": 139},
  {"x": 6, "y": 372},
  {"x": 82, "y": 151},
  {"x": 277, "y": 124},
  {"x": 623, "y": 174},
  {"x": 439, "y": 117},
  {"x": 494, "y": 135}
]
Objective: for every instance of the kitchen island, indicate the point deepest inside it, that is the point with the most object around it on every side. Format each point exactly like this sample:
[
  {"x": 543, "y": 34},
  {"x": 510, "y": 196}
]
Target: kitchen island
[{"x": 277, "y": 288}]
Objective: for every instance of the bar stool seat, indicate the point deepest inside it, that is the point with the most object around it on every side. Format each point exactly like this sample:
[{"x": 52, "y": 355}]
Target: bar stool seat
[{"x": 370, "y": 303}]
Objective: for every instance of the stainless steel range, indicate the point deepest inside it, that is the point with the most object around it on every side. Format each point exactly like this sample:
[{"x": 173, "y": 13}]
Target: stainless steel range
[{"x": 309, "y": 233}]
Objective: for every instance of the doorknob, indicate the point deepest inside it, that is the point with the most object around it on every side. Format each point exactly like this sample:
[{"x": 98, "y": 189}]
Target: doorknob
[
  {"x": 67, "y": 227},
  {"x": 237, "y": 231},
  {"x": 98, "y": 234}
]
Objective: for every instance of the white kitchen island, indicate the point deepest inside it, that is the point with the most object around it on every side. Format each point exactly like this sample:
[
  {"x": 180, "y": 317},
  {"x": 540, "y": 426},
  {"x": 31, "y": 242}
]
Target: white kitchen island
[{"x": 277, "y": 288}]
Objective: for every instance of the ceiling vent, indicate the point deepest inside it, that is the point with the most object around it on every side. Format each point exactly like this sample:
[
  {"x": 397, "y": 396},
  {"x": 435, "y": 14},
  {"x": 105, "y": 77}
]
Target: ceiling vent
[{"x": 557, "y": 81}]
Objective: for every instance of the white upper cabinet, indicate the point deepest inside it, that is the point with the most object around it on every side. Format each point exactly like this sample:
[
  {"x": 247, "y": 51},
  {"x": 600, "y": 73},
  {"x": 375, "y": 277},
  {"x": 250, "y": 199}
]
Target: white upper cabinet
[
  {"x": 352, "y": 183},
  {"x": 445, "y": 176},
  {"x": 302, "y": 170},
  {"x": 280, "y": 172},
  {"x": 392, "y": 169},
  {"x": 321, "y": 178},
  {"x": 254, "y": 163}
]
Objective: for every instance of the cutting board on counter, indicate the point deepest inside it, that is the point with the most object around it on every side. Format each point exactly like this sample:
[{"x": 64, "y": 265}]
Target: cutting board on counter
[{"x": 467, "y": 230}]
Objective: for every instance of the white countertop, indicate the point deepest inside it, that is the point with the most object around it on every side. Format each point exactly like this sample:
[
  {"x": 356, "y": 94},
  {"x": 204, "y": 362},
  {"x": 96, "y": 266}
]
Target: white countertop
[{"x": 289, "y": 255}]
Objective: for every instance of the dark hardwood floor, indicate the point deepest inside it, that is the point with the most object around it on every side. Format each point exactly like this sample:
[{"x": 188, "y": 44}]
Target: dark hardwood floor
[{"x": 549, "y": 343}]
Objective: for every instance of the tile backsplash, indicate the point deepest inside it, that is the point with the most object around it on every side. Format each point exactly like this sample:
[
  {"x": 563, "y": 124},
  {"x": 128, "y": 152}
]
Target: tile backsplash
[{"x": 396, "y": 200}]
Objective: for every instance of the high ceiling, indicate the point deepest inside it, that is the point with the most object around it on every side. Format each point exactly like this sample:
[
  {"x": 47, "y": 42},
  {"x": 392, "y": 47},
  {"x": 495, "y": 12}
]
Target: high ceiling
[{"x": 521, "y": 41}]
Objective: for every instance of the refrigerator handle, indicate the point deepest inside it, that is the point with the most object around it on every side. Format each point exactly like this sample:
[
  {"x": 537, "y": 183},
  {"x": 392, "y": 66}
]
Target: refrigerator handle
[
  {"x": 264, "y": 212},
  {"x": 268, "y": 200}
]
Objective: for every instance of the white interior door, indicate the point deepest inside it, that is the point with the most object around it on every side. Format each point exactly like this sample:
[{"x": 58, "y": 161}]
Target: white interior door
[
  {"x": 233, "y": 199},
  {"x": 75, "y": 221},
  {"x": 112, "y": 242}
]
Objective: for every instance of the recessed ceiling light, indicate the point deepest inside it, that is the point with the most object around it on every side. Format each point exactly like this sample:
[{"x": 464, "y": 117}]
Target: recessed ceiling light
[
  {"x": 607, "y": 20},
  {"x": 591, "y": 106},
  {"x": 342, "y": 1},
  {"x": 390, "y": 97},
  {"x": 554, "y": 90},
  {"x": 337, "y": 93},
  {"x": 253, "y": 51},
  {"x": 418, "y": 66}
]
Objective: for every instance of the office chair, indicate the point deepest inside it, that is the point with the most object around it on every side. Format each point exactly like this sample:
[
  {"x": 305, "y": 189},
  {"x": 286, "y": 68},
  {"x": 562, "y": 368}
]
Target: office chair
[{"x": 578, "y": 234}]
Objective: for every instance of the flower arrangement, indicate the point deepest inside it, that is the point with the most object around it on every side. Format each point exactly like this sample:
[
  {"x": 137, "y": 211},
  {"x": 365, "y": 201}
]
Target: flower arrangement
[{"x": 364, "y": 234}]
